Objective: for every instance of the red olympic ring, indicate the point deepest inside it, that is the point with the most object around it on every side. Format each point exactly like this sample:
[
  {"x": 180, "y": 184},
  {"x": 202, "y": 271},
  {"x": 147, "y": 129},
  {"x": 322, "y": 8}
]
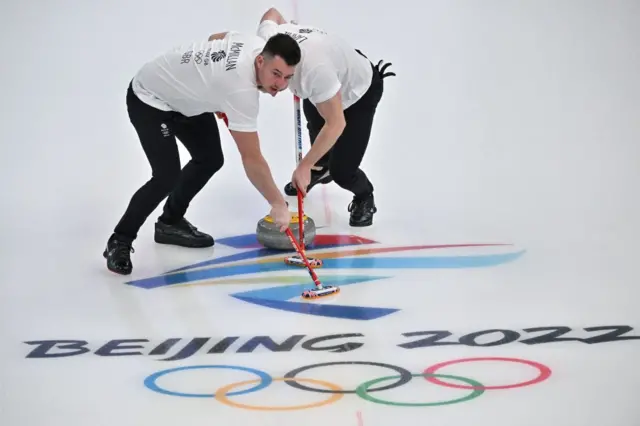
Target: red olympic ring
[{"x": 545, "y": 373}]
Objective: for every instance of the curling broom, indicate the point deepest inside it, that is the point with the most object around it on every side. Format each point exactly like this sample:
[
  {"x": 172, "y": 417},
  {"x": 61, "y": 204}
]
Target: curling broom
[
  {"x": 319, "y": 290},
  {"x": 297, "y": 260}
]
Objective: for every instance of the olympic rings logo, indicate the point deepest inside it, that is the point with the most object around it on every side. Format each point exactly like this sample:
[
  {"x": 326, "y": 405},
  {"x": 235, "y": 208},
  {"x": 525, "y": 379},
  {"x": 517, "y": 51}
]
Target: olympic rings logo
[{"x": 336, "y": 392}]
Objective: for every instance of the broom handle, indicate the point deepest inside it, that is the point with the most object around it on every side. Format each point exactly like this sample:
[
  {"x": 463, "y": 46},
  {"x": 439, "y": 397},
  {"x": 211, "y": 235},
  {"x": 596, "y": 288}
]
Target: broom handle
[
  {"x": 301, "y": 221},
  {"x": 314, "y": 277},
  {"x": 298, "y": 143},
  {"x": 297, "y": 119}
]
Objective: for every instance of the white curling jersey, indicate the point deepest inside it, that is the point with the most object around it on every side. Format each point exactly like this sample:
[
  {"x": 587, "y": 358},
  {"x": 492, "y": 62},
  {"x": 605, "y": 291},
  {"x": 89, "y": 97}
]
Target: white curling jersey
[
  {"x": 206, "y": 76},
  {"x": 328, "y": 64}
]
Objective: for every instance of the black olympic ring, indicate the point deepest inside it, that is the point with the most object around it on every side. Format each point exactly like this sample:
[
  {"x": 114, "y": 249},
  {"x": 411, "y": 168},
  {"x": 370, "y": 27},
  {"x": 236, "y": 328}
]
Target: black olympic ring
[{"x": 405, "y": 376}]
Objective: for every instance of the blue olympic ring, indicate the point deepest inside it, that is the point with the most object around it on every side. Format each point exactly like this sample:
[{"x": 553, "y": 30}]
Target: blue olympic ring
[{"x": 150, "y": 382}]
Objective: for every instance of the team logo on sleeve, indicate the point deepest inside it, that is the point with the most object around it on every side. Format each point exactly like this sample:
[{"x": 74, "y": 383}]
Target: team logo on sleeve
[{"x": 218, "y": 56}]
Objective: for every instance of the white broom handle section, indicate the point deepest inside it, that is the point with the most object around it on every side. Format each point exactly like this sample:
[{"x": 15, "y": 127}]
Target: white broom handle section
[{"x": 297, "y": 114}]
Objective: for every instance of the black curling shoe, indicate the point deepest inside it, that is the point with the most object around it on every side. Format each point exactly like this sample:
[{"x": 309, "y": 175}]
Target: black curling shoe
[
  {"x": 118, "y": 253},
  {"x": 181, "y": 234},
  {"x": 362, "y": 210}
]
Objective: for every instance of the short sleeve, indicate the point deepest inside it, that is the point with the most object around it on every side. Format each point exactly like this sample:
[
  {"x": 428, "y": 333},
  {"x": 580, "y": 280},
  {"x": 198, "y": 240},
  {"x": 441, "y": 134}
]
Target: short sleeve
[
  {"x": 322, "y": 82},
  {"x": 242, "y": 109},
  {"x": 267, "y": 29}
]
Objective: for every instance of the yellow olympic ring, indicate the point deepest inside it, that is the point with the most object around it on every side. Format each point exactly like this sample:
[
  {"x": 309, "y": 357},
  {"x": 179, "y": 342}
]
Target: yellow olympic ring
[{"x": 221, "y": 395}]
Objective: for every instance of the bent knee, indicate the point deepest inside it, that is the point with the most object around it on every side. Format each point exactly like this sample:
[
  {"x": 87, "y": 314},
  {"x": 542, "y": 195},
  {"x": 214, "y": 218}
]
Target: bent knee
[
  {"x": 167, "y": 178},
  {"x": 341, "y": 175},
  {"x": 212, "y": 163}
]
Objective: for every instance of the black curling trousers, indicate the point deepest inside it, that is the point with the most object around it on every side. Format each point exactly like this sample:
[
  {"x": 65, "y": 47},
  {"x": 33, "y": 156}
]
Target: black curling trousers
[
  {"x": 345, "y": 157},
  {"x": 157, "y": 131}
]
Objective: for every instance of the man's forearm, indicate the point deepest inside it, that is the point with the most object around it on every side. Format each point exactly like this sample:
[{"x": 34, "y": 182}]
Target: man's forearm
[
  {"x": 325, "y": 140},
  {"x": 259, "y": 174}
]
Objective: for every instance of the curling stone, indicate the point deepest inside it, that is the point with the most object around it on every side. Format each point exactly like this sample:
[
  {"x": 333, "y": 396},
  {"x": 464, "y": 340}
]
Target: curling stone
[{"x": 270, "y": 236}]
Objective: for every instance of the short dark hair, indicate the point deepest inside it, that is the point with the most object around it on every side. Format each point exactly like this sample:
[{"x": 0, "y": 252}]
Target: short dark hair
[{"x": 285, "y": 46}]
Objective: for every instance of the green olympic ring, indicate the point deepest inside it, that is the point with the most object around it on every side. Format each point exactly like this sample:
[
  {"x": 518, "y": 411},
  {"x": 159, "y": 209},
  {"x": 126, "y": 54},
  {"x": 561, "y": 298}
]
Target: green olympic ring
[{"x": 362, "y": 391}]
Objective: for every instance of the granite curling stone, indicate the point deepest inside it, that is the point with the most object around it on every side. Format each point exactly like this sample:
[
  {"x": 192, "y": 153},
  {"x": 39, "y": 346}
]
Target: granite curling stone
[{"x": 269, "y": 235}]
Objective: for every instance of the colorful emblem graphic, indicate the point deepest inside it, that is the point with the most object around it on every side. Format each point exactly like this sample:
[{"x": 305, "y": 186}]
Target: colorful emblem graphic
[{"x": 343, "y": 256}]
